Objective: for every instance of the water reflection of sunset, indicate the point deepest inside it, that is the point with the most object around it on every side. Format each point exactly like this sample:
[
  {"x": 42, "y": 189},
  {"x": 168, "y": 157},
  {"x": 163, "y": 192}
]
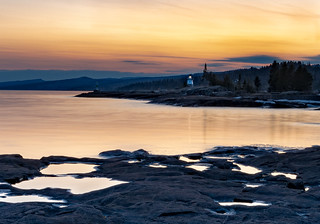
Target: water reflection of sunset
[{"x": 36, "y": 124}]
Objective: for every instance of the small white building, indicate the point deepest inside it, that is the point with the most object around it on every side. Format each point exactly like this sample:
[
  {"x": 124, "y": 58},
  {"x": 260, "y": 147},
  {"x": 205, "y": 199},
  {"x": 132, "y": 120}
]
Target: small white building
[{"x": 190, "y": 81}]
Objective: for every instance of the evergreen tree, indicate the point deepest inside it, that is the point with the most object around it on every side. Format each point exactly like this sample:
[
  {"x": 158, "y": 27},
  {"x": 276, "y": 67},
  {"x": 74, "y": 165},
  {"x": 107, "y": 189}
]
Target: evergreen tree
[
  {"x": 257, "y": 83},
  {"x": 302, "y": 79},
  {"x": 289, "y": 76},
  {"x": 227, "y": 82},
  {"x": 247, "y": 86},
  {"x": 282, "y": 80},
  {"x": 274, "y": 76},
  {"x": 211, "y": 78}
]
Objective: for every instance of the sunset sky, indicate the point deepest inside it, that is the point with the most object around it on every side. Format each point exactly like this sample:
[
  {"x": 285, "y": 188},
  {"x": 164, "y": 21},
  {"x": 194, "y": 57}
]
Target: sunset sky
[{"x": 156, "y": 36}]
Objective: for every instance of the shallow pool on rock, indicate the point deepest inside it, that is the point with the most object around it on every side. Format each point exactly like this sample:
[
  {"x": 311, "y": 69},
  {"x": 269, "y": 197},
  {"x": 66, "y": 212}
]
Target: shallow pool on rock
[
  {"x": 253, "y": 185},
  {"x": 5, "y": 197},
  {"x": 199, "y": 167},
  {"x": 288, "y": 175},
  {"x": 186, "y": 159},
  {"x": 157, "y": 165},
  {"x": 133, "y": 161},
  {"x": 219, "y": 157},
  {"x": 68, "y": 168},
  {"x": 253, "y": 204},
  {"x": 246, "y": 169},
  {"x": 75, "y": 185}
]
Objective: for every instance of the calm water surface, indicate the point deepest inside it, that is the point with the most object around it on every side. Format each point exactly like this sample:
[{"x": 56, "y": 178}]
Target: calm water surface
[{"x": 43, "y": 123}]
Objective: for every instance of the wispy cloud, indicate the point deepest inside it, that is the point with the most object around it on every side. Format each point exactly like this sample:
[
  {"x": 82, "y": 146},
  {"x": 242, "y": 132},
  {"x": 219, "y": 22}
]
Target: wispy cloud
[
  {"x": 255, "y": 59},
  {"x": 167, "y": 56},
  {"x": 217, "y": 65},
  {"x": 295, "y": 14},
  {"x": 313, "y": 59},
  {"x": 183, "y": 71},
  {"x": 174, "y": 5},
  {"x": 139, "y": 62}
]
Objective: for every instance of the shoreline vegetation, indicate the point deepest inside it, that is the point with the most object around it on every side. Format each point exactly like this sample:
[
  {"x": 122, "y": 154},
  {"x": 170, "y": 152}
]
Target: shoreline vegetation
[
  {"x": 279, "y": 85},
  {"x": 234, "y": 185}
]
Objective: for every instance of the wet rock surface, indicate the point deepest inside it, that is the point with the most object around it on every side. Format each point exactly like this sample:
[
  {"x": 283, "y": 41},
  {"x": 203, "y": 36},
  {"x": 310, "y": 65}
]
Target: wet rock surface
[
  {"x": 15, "y": 169},
  {"x": 176, "y": 194}
]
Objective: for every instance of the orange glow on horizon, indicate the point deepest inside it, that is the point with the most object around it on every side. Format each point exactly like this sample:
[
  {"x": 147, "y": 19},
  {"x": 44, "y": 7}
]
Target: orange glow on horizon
[{"x": 154, "y": 36}]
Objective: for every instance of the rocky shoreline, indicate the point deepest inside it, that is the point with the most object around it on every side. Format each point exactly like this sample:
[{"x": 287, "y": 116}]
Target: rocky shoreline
[
  {"x": 170, "y": 189},
  {"x": 211, "y": 97}
]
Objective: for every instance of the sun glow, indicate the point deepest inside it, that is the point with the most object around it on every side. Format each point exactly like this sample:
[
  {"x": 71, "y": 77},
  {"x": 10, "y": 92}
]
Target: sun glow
[{"x": 153, "y": 36}]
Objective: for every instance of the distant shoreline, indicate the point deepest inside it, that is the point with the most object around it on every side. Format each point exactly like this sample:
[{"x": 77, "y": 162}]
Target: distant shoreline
[{"x": 206, "y": 97}]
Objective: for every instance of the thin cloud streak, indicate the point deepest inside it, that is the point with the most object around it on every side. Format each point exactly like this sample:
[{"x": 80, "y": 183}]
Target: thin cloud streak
[
  {"x": 255, "y": 59},
  {"x": 174, "y": 6},
  {"x": 139, "y": 62},
  {"x": 302, "y": 15},
  {"x": 312, "y": 59}
]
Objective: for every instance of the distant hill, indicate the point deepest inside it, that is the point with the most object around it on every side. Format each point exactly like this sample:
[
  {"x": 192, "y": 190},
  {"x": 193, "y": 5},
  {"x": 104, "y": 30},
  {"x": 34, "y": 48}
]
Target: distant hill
[
  {"x": 51, "y": 75},
  {"x": 85, "y": 83},
  {"x": 171, "y": 82},
  {"x": 76, "y": 84},
  {"x": 17, "y": 83}
]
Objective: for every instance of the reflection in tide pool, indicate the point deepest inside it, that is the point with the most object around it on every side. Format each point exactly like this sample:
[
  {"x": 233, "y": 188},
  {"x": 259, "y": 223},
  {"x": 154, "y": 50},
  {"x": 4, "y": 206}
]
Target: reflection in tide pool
[
  {"x": 199, "y": 167},
  {"x": 288, "y": 175},
  {"x": 253, "y": 185},
  {"x": 68, "y": 168},
  {"x": 253, "y": 204},
  {"x": 4, "y": 197},
  {"x": 43, "y": 123},
  {"x": 157, "y": 165},
  {"x": 75, "y": 185},
  {"x": 185, "y": 159},
  {"x": 219, "y": 157},
  {"x": 246, "y": 169}
]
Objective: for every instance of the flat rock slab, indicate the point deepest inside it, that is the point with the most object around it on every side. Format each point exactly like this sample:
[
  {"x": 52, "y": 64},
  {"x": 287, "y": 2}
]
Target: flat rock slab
[{"x": 176, "y": 193}]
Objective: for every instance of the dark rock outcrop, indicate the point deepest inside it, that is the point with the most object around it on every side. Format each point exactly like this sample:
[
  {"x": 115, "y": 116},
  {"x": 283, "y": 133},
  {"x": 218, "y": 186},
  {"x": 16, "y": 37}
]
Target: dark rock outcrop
[
  {"x": 214, "y": 97},
  {"x": 176, "y": 194},
  {"x": 14, "y": 168}
]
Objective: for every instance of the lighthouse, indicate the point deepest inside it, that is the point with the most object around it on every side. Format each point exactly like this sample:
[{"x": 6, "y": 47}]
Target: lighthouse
[
  {"x": 190, "y": 81},
  {"x": 205, "y": 70}
]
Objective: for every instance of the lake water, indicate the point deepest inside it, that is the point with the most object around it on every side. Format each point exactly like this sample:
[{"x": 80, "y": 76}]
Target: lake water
[{"x": 43, "y": 123}]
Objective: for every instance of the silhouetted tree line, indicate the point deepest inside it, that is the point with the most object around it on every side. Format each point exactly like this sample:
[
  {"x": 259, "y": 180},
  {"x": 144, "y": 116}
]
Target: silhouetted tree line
[
  {"x": 239, "y": 84},
  {"x": 284, "y": 76},
  {"x": 277, "y": 77},
  {"x": 288, "y": 76},
  {"x": 248, "y": 77},
  {"x": 213, "y": 80}
]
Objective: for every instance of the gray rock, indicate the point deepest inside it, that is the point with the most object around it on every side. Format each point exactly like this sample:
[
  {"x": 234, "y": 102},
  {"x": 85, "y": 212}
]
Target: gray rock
[
  {"x": 115, "y": 153},
  {"x": 140, "y": 154},
  {"x": 176, "y": 194},
  {"x": 296, "y": 184}
]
